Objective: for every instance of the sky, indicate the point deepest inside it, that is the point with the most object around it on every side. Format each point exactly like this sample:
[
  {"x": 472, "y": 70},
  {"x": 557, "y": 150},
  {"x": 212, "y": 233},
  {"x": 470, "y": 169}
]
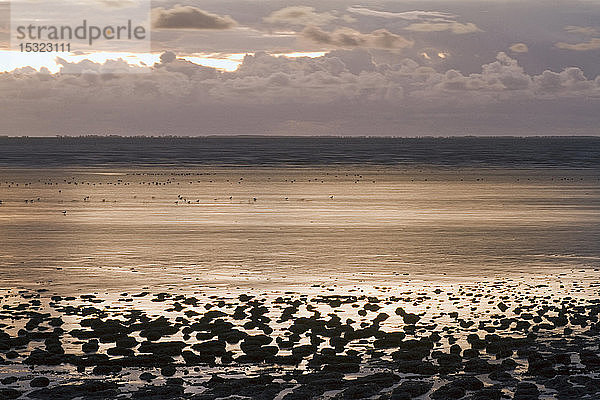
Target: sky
[{"x": 327, "y": 67}]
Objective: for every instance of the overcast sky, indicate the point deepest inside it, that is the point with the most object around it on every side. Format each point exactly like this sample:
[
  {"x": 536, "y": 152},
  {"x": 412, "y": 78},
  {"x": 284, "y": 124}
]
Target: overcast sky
[{"x": 370, "y": 68}]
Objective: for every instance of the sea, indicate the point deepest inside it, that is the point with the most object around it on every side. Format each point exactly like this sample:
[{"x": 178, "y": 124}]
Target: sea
[{"x": 83, "y": 213}]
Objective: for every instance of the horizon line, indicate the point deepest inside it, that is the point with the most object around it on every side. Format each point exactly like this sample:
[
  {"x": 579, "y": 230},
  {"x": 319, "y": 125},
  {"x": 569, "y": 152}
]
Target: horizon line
[{"x": 258, "y": 136}]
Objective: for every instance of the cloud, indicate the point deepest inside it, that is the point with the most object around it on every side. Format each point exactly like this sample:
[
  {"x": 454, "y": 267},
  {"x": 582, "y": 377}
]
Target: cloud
[
  {"x": 167, "y": 57},
  {"x": 422, "y": 21},
  {"x": 407, "y": 15},
  {"x": 583, "y": 30},
  {"x": 592, "y": 44},
  {"x": 118, "y": 3},
  {"x": 189, "y": 17},
  {"x": 339, "y": 74},
  {"x": 519, "y": 48},
  {"x": 347, "y": 37},
  {"x": 454, "y": 27},
  {"x": 299, "y": 15},
  {"x": 345, "y": 90}
]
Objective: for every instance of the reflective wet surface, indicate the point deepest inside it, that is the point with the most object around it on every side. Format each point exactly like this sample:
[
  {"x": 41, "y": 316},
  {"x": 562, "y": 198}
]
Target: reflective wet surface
[{"x": 109, "y": 227}]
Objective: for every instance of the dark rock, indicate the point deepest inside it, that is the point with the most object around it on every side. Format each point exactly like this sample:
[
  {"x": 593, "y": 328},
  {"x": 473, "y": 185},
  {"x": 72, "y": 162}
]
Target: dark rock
[
  {"x": 590, "y": 359},
  {"x": 162, "y": 348},
  {"x": 261, "y": 387},
  {"x": 476, "y": 342},
  {"x": 303, "y": 351},
  {"x": 508, "y": 364},
  {"x": 526, "y": 391},
  {"x": 360, "y": 391},
  {"x": 155, "y": 330},
  {"x": 9, "y": 380},
  {"x": 158, "y": 392},
  {"x": 501, "y": 376},
  {"x": 126, "y": 342},
  {"x": 342, "y": 367},
  {"x": 408, "y": 318},
  {"x": 412, "y": 389},
  {"x": 469, "y": 383},
  {"x": 417, "y": 367},
  {"x": 192, "y": 358},
  {"x": 455, "y": 349},
  {"x": 9, "y": 394},
  {"x": 448, "y": 392},
  {"x": 389, "y": 340},
  {"x": 90, "y": 347},
  {"x": 168, "y": 370},
  {"x": 87, "y": 390},
  {"x": 211, "y": 348},
  {"x": 447, "y": 360},
  {"x": 118, "y": 351},
  {"x": 41, "y": 357},
  {"x": 470, "y": 353},
  {"x": 486, "y": 394},
  {"x": 107, "y": 369},
  {"x": 479, "y": 366},
  {"x": 233, "y": 336},
  {"x": 39, "y": 382},
  {"x": 540, "y": 365},
  {"x": 147, "y": 376}
]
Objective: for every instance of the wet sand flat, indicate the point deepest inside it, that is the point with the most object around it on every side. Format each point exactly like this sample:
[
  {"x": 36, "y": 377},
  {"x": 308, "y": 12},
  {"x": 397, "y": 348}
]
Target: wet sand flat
[
  {"x": 332, "y": 282},
  {"x": 287, "y": 225},
  {"x": 514, "y": 338}
]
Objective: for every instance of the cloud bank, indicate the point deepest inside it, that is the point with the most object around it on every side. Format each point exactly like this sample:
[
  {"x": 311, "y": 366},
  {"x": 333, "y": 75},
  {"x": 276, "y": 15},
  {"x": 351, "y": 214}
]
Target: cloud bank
[{"x": 344, "y": 92}]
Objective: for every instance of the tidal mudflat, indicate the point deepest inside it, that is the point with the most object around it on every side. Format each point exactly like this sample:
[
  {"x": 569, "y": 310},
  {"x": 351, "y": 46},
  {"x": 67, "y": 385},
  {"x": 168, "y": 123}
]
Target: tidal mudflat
[
  {"x": 515, "y": 338},
  {"x": 338, "y": 282}
]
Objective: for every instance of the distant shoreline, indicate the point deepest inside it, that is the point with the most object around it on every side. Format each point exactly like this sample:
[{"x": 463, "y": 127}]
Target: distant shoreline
[
  {"x": 226, "y": 136},
  {"x": 467, "y": 151}
]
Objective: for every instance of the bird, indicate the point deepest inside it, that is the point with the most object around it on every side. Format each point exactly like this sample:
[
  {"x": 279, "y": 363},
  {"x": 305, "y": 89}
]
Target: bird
[{"x": 64, "y": 212}]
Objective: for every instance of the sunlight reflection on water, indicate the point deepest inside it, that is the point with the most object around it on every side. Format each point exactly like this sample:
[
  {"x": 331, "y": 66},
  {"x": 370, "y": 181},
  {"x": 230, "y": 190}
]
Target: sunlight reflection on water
[{"x": 126, "y": 227}]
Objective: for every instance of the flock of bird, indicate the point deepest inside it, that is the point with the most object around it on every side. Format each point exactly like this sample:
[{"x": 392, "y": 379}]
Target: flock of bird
[
  {"x": 356, "y": 178},
  {"x": 180, "y": 198}
]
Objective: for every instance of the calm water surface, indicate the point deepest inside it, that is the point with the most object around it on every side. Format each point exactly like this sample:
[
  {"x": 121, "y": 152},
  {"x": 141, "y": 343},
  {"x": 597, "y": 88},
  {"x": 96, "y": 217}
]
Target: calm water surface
[{"x": 166, "y": 226}]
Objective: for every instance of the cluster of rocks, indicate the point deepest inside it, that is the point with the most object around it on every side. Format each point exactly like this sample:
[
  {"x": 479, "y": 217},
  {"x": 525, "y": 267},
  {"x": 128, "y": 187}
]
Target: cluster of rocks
[{"x": 298, "y": 347}]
